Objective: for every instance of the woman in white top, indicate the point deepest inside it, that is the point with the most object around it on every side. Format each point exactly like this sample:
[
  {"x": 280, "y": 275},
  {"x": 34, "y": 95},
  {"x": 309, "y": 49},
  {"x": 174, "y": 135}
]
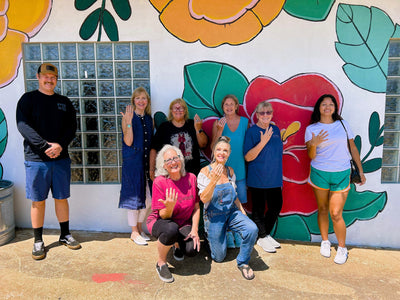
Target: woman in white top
[{"x": 326, "y": 141}]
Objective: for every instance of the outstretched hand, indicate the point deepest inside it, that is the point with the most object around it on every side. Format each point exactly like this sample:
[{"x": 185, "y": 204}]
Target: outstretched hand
[
  {"x": 171, "y": 196},
  {"x": 128, "y": 115},
  {"x": 221, "y": 123},
  {"x": 321, "y": 137}
]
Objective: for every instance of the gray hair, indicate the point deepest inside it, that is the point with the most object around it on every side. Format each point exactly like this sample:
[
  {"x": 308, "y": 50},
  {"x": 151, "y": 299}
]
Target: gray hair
[{"x": 160, "y": 170}]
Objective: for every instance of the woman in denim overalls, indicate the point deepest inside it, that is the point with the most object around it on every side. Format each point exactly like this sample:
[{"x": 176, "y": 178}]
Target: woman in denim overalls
[{"x": 223, "y": 210}]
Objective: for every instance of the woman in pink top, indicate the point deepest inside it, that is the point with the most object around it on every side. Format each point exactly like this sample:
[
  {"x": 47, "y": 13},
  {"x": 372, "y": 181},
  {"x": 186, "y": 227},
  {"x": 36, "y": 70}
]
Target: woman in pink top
[{"x": 174, "y": 220}]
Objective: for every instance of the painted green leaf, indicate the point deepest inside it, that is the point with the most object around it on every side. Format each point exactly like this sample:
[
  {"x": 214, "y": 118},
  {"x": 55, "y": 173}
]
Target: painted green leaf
[
  {"x": 206, "y": 83},
  {"x": 372, "y": 165},
  {"x": 159, "y": 118},
  {"x": 359, "y": 206},
  {"x": 358, "y": 142},
  {"x": 292, "y": 227},
  {"x": 84, "y": 4},
  {"x": 122, "y": 8},
  {"x": 90, "y": 24},
  {"x": 363, "y": 37},
  {"x": 373, "y": 128},
  {"x": 3, "y": 133},
  {"x": 312, "y": 10},
  {"x": 110, "y": 26}
]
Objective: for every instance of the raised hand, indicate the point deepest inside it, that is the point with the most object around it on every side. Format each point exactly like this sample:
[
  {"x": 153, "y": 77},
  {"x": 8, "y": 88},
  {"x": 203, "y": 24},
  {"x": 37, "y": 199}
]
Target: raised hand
[
  {"x": 266, "y": 136},
  {"x": 198, "y": 123},
  {"x": 221, "y": 123},
  {"x": 171, "y": 196},
  {"x": 216, "y": 172},
  {"x": 128, "y": 115},
  {"x": 321, "y": 137}
]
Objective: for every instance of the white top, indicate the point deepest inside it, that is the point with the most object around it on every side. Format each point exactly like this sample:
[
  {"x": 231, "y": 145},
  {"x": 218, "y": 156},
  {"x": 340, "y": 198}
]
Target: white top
[
  {"x": 203, "y": 181},
  {"x": 332, "y": 155}
]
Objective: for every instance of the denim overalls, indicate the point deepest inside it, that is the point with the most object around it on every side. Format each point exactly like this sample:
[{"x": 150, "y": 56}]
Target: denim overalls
[{"x": 222, "y": 214}]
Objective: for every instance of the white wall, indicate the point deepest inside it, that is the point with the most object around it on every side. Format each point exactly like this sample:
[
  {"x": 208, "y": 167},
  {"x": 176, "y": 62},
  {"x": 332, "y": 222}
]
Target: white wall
[{"x": 306, "y": 47}]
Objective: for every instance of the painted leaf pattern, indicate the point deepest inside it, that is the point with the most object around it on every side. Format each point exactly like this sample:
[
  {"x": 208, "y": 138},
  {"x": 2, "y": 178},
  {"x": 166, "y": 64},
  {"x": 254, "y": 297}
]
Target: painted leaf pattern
[
  {"x": 312, "y": 10},
  {"x": 363, "y": 38},
  {"x": 206, "y": 83}
]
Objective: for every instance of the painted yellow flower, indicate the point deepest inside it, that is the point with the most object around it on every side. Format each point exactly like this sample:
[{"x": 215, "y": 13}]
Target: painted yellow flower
[
  {"x": 217, "y": 22},
  {"x": 19, "y": 21}
]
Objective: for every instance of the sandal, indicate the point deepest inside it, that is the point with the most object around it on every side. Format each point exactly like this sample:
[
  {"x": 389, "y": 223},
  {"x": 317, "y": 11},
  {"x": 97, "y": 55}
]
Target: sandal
[{"x": 247, "y": 269}]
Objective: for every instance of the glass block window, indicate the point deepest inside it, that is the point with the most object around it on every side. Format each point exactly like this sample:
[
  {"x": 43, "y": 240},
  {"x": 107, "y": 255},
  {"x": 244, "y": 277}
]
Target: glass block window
[
  {"x": 391, "y": 145},
  {"x": 99, "y": 79}
]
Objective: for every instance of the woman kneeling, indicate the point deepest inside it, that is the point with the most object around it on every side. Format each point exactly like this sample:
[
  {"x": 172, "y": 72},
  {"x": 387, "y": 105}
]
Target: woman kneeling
[{"x": 223, "y": 210}]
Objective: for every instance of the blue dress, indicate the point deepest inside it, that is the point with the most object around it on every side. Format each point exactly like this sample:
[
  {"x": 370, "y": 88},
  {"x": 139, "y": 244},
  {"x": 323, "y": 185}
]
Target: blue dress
[{"x": 135, "y": 164}]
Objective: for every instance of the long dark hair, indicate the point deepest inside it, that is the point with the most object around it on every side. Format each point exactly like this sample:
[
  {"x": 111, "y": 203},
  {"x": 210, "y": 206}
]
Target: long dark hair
[{"x": 316, "y": 115}]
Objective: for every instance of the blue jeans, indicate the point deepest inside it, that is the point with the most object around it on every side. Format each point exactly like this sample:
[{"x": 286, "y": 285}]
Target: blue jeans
[{"x": 217, "y": 223}]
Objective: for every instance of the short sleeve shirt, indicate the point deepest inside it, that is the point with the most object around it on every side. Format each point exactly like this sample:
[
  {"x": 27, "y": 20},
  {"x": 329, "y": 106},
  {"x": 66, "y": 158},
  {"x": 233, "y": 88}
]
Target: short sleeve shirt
[{"x": 332, "y": 155}]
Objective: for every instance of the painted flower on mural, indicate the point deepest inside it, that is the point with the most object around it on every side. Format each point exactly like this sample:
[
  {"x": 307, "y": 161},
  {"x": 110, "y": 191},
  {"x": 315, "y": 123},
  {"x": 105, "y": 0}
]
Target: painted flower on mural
[
  {"x": 19, "y": 21},
  {"x": 217, "y": 22}
]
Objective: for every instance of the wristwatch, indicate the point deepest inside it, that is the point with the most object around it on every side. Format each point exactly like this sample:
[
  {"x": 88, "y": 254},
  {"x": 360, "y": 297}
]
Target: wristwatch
[{"x": 201, "y": 130}]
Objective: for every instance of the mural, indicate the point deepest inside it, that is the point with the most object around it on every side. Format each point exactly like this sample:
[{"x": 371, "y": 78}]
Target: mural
[
  {"x": 363, "y": 43},
  {"x": 206, "y": 83},
  {"x": 102, "y": 18},
  {"x": 3, "y": 138},
  {"x": 20, "y": 20}
]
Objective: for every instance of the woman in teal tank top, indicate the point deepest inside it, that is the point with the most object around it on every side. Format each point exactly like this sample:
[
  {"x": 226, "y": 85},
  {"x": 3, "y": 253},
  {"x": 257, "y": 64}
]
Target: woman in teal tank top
[{"x": 233, "y": 126}]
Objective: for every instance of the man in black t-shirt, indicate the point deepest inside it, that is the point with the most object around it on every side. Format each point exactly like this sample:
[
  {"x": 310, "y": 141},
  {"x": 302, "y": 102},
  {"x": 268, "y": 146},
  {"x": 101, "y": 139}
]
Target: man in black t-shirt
[{"x": 47, "y": 121}]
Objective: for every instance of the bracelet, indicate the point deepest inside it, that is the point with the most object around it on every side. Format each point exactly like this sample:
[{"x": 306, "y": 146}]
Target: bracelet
[
  {"x": 201, "y": 130},
  {"x": 129, "y": 125}
]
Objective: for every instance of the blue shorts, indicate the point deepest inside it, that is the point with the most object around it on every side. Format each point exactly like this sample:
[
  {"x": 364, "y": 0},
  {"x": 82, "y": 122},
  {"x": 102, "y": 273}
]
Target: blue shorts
[
  {"x": 43, "y": 176},
  {"x": 241, "y": 190},
  {"x": 333, "y": 181}
]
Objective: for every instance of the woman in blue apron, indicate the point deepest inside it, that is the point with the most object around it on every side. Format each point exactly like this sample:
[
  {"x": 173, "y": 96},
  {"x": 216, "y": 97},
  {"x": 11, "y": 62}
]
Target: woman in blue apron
[{"x": 223, "y": 210}]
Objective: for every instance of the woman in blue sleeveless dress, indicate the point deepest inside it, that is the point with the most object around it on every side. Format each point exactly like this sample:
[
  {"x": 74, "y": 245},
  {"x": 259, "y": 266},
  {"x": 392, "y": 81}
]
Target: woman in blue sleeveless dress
[
  {"x": 137, "y": 129},
  {"x": 223, "y": 210}
]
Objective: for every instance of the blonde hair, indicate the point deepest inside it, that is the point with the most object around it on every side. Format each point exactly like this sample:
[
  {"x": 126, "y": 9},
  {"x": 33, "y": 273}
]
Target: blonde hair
[
  {"x": 183, "y": 104},
  {"x": 263, "y": 104},
  {"x": 136, "y": 93},
  {"x": 221, "y": 139}
]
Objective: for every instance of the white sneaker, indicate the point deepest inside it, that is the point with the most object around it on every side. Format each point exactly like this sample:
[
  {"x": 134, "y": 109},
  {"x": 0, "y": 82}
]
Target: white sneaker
[
  {"x": 325, "y": 248},
  {"x": 266, "y": 245},
  {"x": 341, "y": 255},
  {"x": 273, "y": 242},
  {"x": 144, "y": 236},
  {"x": 139, "y": 240}
]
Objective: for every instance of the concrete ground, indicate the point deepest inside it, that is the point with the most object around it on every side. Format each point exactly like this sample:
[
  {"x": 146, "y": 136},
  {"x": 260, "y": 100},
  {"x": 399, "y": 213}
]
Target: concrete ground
[{"x": 111, "y": 266}]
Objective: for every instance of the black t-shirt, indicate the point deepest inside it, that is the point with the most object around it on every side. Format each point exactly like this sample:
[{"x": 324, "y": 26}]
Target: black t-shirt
[
  {"x": 41, "y": 119},
  {"x": 183, "y": 138}
]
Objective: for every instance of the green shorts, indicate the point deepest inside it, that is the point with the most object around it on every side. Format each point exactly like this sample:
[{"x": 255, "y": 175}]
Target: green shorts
[{"x": 333, "y": 181}]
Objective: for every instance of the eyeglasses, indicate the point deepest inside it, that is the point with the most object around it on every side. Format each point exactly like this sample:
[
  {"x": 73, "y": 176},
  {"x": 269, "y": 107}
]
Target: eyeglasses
[
  {"x": 173, "y": 159},
  {"x": 178, "y": 109},
  {"x": 263, "y": 113}
]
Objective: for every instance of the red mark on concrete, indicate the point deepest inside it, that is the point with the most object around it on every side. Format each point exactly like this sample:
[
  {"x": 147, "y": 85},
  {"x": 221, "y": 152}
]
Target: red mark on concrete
[
  {"x": 115, "y": 277},
  {"x": 100, "y": 278}
]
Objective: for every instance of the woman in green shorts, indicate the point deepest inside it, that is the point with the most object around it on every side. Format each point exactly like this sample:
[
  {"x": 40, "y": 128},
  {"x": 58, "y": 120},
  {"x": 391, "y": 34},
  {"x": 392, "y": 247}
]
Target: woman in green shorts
[{"x": 327, "y": 147}]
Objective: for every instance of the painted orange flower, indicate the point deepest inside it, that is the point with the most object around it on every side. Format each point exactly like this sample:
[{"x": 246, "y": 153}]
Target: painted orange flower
[
  {"x": 19, "y": 21},
  {"x": 217, "y": 22}
]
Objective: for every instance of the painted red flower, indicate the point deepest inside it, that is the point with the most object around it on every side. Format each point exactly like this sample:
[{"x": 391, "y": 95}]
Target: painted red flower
[{"x": 293, "y": 102}]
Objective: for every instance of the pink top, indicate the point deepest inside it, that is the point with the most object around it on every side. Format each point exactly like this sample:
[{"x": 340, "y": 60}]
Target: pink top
[{"x": 187, "y": 198}]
